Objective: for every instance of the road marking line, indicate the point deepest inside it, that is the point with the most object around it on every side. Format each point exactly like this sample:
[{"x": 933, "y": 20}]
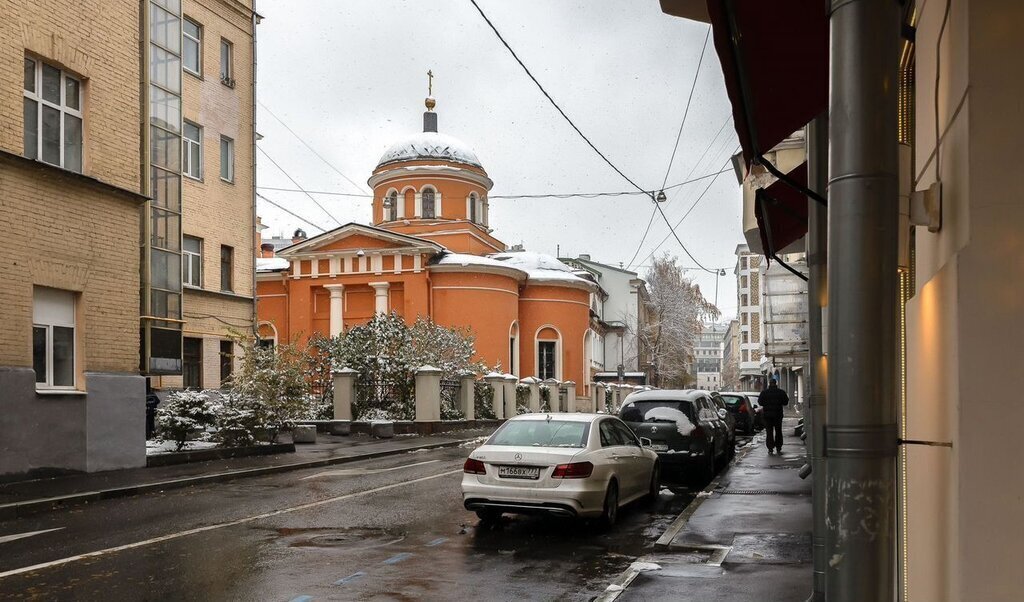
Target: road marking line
[
  {"x": 7, "y": 538},
  {"x": 437, "y": 542},
  {"x": 241, "y": 521},
  {"x": 363, "y": 471},
  {"x": 398, "y": 558},
  {"x": 350, "y": 578}
]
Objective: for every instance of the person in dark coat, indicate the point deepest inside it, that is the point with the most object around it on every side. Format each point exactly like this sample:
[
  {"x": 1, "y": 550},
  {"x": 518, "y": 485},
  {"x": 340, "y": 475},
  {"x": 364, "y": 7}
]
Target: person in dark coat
[{"x": 772, "y": 400}]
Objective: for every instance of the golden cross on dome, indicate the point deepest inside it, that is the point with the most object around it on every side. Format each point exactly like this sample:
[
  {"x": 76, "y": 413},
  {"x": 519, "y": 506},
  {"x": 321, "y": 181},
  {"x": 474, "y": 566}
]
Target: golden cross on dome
[{"x": 430, "y": 83}]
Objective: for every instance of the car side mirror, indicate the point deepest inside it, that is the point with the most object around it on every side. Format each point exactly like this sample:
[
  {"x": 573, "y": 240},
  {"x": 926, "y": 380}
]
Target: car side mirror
[
  {"x": 722, "y": 413},
  {"x": 645, "y": 442}
]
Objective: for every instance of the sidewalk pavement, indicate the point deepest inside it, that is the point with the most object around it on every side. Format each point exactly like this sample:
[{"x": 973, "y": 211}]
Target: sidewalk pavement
[
  {"x": 749, "y": 538},
  {"x": 25, "y": 497}
]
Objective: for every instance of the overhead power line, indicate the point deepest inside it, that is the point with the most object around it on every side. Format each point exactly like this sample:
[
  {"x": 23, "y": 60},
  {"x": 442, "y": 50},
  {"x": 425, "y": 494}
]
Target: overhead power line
[
  {"x": 686, "y": 111},
  {"x": 692, "y": 169},
  {"x": 311, "y": 149},
  {"x": 704, "y": 192},
  {"x": 581, "y": 134},
  {"x": 558, "y": 195},
  {"x": 290, "y": 212},
  {"x": 297, "y": 185}
]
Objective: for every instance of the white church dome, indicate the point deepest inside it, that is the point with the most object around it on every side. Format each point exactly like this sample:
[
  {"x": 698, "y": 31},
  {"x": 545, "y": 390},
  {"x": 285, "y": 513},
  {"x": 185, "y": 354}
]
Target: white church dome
[{"x": 430, "y": 145}]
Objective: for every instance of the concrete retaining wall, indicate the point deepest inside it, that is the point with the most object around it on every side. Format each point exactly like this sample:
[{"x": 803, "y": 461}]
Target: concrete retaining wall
[{"x": 49, "y": 434}]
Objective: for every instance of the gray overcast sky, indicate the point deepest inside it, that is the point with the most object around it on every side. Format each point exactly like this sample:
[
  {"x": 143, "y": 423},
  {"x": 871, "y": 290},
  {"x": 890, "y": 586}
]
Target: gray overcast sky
[{"x": 349, "y": 77}]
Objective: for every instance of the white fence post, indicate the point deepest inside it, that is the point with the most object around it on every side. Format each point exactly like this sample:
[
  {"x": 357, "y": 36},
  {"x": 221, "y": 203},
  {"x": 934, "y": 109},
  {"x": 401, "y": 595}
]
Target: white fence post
[
  {"x": 344, "y": 393},
  {"x": 510, "y": 395},
  {"x": 497, "y": 382},
  {"x": 428, "y": 394},
  {"x": 534, "y": 384},
  {"x": 570, "y": 395},
  {"x": 554, "y": 393},
  {"x": 467, "y": 390}
]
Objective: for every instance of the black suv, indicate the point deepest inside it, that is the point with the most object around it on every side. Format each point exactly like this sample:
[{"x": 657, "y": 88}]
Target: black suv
[{"x": 685, "y": 427}]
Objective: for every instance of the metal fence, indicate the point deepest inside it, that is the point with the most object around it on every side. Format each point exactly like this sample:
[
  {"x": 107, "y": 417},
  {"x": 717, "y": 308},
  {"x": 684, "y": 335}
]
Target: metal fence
[
  {"x": 393, "y": 398},
  {"x": 450, "y": 406}
]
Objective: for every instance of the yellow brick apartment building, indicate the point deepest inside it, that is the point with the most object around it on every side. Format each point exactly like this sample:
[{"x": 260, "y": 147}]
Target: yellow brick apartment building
[{"x": 96, "y": 104}]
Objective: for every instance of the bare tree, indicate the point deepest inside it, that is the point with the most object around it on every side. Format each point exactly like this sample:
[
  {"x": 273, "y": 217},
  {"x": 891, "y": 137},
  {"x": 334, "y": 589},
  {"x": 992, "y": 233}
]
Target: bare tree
[{"x": 676, "y": 311}]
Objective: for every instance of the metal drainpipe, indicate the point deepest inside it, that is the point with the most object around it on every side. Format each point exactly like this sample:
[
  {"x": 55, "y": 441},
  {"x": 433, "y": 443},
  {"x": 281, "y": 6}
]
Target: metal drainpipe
[
  {"x": 861, "y": 430},
  {"x": 816, "y": 381},
  {"x": 255, "y": 234}
]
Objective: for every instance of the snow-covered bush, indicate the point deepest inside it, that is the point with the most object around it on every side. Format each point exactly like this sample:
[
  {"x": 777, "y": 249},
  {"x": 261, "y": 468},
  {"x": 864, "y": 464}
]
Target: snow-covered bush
[
  {"x": 545, "y": 398},
  {"x": 235, "y": 420},
  {"x": 183, "y": 414},
  {"x": 272, "y": 384},
  {"x": 386, "y": 352},
  {"x": 322, "y": 355},
  {"x": 450, "y": 410},
  {"x": 483, "y": 398},
  {"x": 376, "y": 414}
]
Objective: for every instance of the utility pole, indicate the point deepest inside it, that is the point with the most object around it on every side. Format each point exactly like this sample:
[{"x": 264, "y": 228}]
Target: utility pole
[
  {"x": 863, "y": 216},
  {"x": 817, "y": 383}
]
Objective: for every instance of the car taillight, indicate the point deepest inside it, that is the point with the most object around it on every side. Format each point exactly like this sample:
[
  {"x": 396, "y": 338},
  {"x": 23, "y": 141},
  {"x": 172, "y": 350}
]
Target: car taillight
[
  {"x": 473, "y": 466},
  {"x": 576, "y": 470},
  {"x": 743, "y": 409}
]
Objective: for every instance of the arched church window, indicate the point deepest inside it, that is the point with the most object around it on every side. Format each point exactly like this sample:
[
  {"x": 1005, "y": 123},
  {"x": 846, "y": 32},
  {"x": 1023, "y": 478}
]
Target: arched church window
[
  {"x": 472, "y": 207},
  {"x": 428, "y": 202},
  {"x": 391, "y": 206}
]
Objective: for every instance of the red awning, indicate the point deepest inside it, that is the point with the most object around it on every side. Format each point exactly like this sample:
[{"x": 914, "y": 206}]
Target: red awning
[
  {"x": 781, "y": 212},
  {"x": 774, "y": 56}
]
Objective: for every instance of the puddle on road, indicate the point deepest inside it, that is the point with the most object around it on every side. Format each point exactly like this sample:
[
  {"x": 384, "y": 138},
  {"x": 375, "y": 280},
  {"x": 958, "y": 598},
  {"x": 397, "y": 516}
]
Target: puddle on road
[{"x": 343, "y": 539}]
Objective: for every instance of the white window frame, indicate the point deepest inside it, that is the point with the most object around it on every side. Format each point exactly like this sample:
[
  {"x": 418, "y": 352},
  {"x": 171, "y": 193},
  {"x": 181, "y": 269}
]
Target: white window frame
[
  {"x": 36, "y": 95},
  {"x": 47, "y": 383},
  {"x": 188, "y": 146},
  {"x": 230, "y": 161},
  {"x": 199, "y": 46},
  {"x": 227, "y": 69},
  {"x": 186, "y": 263}
]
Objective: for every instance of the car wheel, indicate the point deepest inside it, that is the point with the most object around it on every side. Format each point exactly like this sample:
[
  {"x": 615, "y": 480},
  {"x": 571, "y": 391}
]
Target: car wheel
[
  {"x": 655, "y": 488},
  {"x": 488, "y": 515},
  {"x": 610, "y": 513}
]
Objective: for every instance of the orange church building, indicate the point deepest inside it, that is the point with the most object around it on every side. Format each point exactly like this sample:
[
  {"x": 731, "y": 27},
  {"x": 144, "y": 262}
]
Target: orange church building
[{"x": 430, "y": 252}]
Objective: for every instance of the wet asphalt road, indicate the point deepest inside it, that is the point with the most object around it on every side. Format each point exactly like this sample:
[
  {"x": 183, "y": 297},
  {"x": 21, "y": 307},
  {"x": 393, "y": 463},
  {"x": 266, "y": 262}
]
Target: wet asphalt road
[{"x": 387, "y": 529}]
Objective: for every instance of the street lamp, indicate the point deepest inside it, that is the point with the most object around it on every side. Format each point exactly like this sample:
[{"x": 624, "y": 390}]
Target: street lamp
[
  {"x": 661, "y": 198},
  {"x": 718, "y": 273}
]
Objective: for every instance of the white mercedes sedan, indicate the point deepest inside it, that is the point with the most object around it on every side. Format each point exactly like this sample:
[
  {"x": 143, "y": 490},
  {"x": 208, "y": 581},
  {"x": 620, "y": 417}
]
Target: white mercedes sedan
[{"x": 568, "y": 465}]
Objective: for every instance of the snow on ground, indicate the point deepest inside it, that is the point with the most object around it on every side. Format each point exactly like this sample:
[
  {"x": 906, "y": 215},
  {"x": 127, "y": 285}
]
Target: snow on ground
[
  {"x": 645, "y": 566},
  {"x": 683, "y": 424},
  {"x": 164, "y": 447}
]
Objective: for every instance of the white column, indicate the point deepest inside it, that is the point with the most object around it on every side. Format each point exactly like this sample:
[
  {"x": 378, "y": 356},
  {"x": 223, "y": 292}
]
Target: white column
[
  {"x": 337, "y": 307},
  {"x": 419, "y": 206},
  {"x": 400, "y": 209},
  {"x": 437, "y": 204},
  {"x": 380, "y": 297}
]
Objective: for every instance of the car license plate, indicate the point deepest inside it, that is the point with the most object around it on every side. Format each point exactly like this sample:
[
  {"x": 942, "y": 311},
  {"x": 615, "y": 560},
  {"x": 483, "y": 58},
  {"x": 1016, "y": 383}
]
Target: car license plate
[
  {"x": 659, "y": 447},
  {"x": 519, "y": 472}
]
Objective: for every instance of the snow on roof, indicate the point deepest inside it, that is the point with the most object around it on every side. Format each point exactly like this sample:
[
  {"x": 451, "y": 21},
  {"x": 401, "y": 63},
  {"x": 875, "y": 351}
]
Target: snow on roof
[
  {"x": 541, "y": 268},
  {"x": 665, "y": 395},
  {"x": 430, "y": 145},
  {"x": 465, "y": 259},
  {"x": 272, "y": 264}
]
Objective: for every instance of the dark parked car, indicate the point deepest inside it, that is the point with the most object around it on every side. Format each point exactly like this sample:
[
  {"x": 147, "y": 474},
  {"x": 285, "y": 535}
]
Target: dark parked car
[
  {"x": 684, "y": 426},
  {"x": 742, "y": 409},
  {"x": 723, "y": 413}
]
